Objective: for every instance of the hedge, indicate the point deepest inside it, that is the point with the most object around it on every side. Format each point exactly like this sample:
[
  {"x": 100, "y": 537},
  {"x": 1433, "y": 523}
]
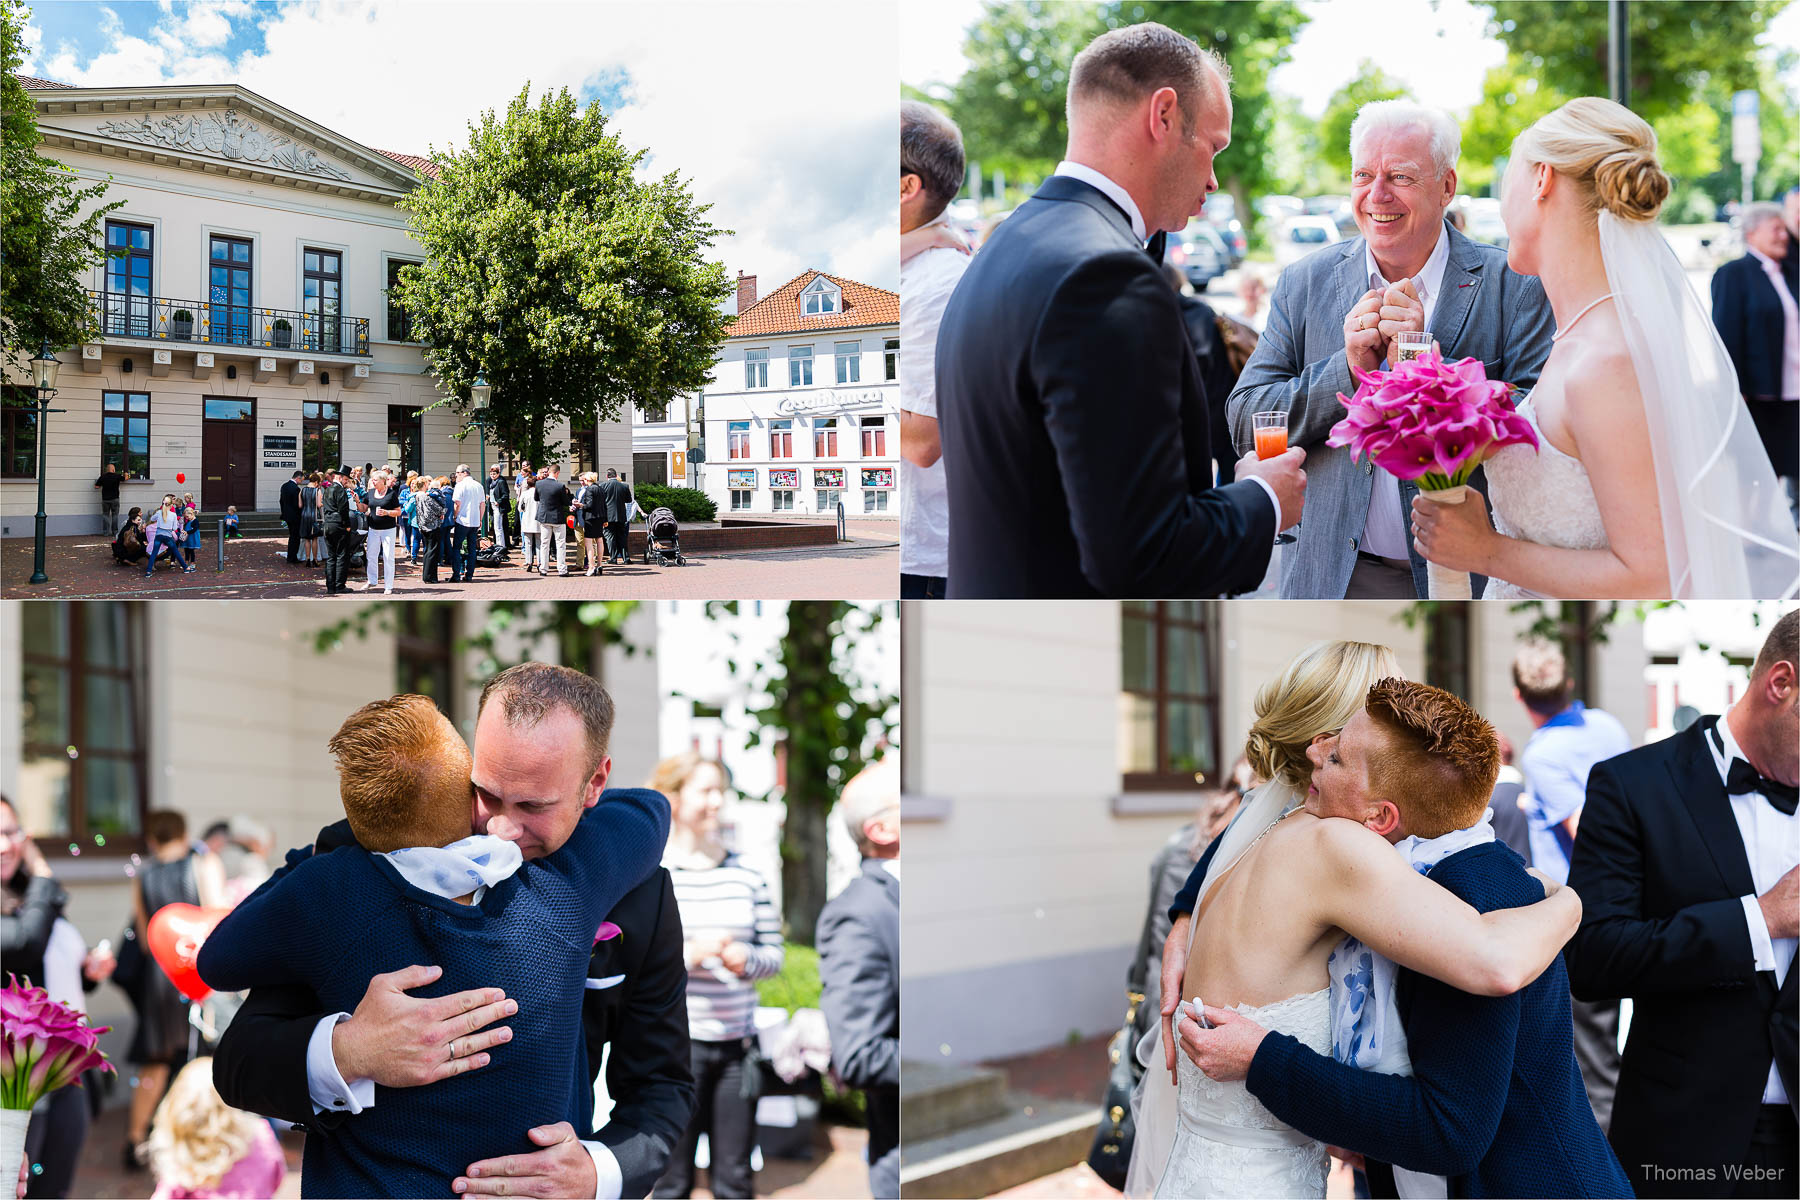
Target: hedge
[{"x": 686, "y": 503}]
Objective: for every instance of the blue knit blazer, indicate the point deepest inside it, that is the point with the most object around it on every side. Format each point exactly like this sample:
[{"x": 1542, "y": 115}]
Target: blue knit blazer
[
  {"x": 1496, "y": 1101},
  {"x": 333, "y": 921}
]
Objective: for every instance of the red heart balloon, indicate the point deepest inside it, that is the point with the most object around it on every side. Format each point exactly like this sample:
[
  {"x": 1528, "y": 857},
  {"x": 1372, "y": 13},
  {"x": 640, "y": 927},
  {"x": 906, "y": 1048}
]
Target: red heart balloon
[
  {"x": 571, "y": 522},
  {"x": 180, "y": 477},
  {"x": 177, "y": 932}
]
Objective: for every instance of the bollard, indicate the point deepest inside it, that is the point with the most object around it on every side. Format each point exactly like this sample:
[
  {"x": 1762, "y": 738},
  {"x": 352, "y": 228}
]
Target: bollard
[
  {"x": 840, "y": 510},
  {"x": 221, "y": 542}
]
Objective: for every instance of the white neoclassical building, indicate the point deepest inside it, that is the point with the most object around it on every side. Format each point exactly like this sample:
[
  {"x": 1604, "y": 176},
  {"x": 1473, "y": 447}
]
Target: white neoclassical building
[
  {"x": 244, "y": 323},
  {"x": 804, "y": 408}
]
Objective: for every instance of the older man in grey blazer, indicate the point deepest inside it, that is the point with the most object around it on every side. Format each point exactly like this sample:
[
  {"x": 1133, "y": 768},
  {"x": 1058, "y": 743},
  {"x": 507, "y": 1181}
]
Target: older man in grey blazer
[
  {"x": 859, "y": 967},
  {"x": 1342, "y": 307}
]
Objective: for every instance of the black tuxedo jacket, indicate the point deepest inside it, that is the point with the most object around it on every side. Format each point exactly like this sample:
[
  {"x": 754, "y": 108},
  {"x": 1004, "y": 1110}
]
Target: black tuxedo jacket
[
  {"x": 260, "y": 1065},
  {"x": 1660, "y": 867},
  {"x": 616, "y": 495},
  {"x": 1074, "y": 420},
  {"x": 290, "y": 502},
  {"x": 1747, "y": 313}
]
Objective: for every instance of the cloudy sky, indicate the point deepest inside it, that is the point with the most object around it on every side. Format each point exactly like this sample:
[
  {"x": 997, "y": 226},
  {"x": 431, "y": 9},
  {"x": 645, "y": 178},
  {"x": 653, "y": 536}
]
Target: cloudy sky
[
  {"x": 770, "y": 110},
  {"x": 1437, "y": 47}
]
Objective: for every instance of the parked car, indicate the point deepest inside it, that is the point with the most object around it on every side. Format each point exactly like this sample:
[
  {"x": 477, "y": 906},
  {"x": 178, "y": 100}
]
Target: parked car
[
  {"x": 1300, "y": 236},
  {"x": 1276, "y": 209},
  {"x": 1200, "y": 254},
  {"x": 1338, "y": 209},
  {"x": 1221, "y": 213},
  {"x": 1481, "y": 221}
]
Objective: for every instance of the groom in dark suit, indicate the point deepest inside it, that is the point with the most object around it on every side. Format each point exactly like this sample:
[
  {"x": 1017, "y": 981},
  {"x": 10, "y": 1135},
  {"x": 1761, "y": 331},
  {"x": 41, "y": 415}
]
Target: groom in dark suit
[
  {"x": 1687, "y": 870},
  {"x": 1073, "y": 419}
]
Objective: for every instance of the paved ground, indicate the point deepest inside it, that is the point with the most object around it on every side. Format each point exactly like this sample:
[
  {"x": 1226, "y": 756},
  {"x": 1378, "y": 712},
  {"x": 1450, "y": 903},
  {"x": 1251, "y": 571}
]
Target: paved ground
[
  {"x": 836, "y": 1169},
  {"x": 866, "y": 567}
]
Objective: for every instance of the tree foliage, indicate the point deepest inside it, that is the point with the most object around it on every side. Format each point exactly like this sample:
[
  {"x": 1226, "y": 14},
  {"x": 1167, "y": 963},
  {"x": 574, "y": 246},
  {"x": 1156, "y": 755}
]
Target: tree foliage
[
  {"x": 1511, "y": 99},
  {"x": 509, "y": 632},
  {"x": 1369, "y": 84},
  {"x": 1010, "y": 102},
  {"x": 551, "y": 269},
  {"x": 47, "y": 246}
]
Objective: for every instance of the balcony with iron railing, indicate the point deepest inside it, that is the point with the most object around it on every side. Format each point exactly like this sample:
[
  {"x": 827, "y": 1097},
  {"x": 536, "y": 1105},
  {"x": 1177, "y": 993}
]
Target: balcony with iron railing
[{"x": 252, "y": 327}]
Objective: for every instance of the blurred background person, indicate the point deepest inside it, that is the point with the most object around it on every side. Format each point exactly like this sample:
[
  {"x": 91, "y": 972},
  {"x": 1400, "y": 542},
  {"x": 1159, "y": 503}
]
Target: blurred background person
[
  {"x": 1217, "y": 374},
  {"x": 1754, "y": 308},
  {"x": 859, "y": 967},
  {"x": 732, "y": 938},
  {"x": 1509, "y": 819},
  {"x": 203, "y": 1149}
]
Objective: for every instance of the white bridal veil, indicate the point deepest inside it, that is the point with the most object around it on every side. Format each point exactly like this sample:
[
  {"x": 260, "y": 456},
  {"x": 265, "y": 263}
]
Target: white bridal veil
[
  {"x": 1725, "y": 520},
  {"x": 1154, "y": 1103}
]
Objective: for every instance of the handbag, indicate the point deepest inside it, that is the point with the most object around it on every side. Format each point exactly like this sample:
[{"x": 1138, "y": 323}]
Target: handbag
[{"x": 1110, "y": 1153}]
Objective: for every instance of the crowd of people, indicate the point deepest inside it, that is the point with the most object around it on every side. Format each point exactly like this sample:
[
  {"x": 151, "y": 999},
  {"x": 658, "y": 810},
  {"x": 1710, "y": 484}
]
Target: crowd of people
[
  {"x": 170, "y": 530},
  {"x": 666, "y": 999}
]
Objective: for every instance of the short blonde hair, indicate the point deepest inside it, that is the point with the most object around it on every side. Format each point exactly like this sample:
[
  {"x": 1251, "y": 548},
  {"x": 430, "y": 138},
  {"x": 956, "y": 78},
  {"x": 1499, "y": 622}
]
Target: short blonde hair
[
  {"x": 196, "y": 1137},
  {"x": 1318, "y": 691},
  {"x": 403, "y": 775},
  {"x": 1606, "y": 150},
  {"x": 671, "y": 774}
]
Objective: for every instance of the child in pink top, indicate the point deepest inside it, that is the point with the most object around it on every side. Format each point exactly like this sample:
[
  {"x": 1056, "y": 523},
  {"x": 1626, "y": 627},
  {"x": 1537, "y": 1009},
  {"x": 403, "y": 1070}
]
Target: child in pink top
[{"x": 203, "y": 1149}]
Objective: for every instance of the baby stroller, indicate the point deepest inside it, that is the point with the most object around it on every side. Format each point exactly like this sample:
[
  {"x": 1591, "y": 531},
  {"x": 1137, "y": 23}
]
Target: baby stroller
[{"x": 662, "y": 537}]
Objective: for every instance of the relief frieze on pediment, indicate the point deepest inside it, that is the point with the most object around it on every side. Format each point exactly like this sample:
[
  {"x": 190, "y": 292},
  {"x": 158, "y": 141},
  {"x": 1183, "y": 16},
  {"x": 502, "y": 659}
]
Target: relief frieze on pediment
[{"x": 228, "y": 136}]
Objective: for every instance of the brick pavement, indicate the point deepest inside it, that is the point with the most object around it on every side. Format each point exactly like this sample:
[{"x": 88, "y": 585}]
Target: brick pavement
[{"x": 864, "y": 568}]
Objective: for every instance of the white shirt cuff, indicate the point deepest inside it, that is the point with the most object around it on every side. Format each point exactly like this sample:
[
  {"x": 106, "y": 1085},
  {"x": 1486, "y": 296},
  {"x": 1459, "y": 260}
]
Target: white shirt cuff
[
  {"x": 324, "y": 1084},
  {"x": 1269, "y": 488},
  {"x": 609, "y": 1181},
  {"x": 1761, "y": 945}
]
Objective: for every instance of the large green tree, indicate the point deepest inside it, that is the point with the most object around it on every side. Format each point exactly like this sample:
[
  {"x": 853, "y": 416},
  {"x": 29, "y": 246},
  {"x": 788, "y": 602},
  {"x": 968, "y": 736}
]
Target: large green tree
[
  {"x": 1010, "y": 101},
  {"x": 47, "y": 245},
  {"x": 1369, "y": 84},
  {"x": 551, "y": 269}
]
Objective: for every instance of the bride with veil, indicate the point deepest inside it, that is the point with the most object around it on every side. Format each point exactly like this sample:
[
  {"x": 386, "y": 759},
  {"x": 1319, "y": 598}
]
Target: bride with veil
[
  {"x": 1209, "y": 1138},
  {"x": 1637, "y": 377}
]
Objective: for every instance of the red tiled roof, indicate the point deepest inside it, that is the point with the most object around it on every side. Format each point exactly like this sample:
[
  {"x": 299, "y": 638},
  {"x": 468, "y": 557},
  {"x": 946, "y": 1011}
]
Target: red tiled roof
[
  {"x": 779, "y": 311},
  {"x": 423, "y": 166},
  {"x": 38, "y": 85}
]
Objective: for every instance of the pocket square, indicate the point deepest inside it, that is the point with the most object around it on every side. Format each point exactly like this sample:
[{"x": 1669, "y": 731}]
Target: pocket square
[{"x": 611, "y": 981}]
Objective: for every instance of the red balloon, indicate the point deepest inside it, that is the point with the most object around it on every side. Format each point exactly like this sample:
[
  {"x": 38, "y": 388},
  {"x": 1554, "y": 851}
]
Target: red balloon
[
  {"x": 177, "y": 932},
  {"x": 180, "y": 477},
  {"x": 571, "y": 522}
]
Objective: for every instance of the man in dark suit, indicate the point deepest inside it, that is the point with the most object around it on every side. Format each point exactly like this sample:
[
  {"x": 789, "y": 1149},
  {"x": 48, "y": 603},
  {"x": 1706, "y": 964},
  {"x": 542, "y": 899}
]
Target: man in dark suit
[
  {"x": 500, "y": 505},
  {"x": 859, "y": 968},
  {"x": 340, "y": 533},
  {"x": 282, "y": 1057},
  {"x": 1754, "y": 309},
  {"x": 1686, "y": 867},
  {"x": 553, "y": 511},
  {"x": 290, "y": 514},
  {"x": 615, "y": 493},
  {"x": 1070, "y": 406},
  {"x": 1216, "y": 376}
]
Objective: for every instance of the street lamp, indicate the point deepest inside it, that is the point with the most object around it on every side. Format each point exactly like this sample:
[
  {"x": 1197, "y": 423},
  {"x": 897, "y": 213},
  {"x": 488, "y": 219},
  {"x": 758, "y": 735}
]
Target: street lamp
[
  {"x": 479, "y": 393},
  {"x": 43, "y": 377}
]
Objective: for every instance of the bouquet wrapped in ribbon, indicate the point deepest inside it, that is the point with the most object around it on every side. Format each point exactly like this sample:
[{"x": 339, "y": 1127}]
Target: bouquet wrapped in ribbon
[
  {"x": 44, "y": 1045},
  {"x": 1433, "y": 422}
]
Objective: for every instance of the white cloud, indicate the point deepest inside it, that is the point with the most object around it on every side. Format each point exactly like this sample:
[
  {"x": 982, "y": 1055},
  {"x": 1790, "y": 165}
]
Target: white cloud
[{"x": 782, "y": 115}]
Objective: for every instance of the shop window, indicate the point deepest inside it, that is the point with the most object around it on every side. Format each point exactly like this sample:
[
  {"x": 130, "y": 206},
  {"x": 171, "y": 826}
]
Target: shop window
[
  {"x": 782, "y": 501},
  {"x": 740, "y": 500},
  {"x": 82, "y": 755},
  {"x": 828, "y": 500},
  {"x": 875, "y": 500},
  {"x": 1168, "y": 698}
]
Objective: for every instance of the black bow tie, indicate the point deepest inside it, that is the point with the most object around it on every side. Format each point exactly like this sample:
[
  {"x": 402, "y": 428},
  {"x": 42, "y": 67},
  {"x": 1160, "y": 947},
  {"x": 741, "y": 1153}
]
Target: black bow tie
[
  {"x": 1159, "y": 241},
  {"x": 1741, "y": 777}
]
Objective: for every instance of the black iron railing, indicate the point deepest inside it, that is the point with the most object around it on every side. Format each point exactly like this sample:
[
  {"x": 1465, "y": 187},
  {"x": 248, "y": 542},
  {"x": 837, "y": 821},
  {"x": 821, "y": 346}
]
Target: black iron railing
[{"x": 164, "y": 320}]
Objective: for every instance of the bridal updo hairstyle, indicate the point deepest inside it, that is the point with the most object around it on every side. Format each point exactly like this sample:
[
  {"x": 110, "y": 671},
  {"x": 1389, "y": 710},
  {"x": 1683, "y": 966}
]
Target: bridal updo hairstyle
[
  {"x": 1440, "y": 758},
  {"x": 1318, "y": 692},
  {"x": 403, "y": 775},
  {"x": 1607, "y": 150}
]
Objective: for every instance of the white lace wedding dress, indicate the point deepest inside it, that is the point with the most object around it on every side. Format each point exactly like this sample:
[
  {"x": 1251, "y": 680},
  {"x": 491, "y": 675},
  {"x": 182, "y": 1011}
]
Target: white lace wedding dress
[
  {"x": 1227, "y": 1143},
  {"x": 1542, "y": 496}
]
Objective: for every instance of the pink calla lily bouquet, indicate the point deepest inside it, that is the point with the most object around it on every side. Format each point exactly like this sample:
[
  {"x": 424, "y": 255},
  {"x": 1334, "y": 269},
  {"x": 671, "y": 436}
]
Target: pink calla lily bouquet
[
  {"x": 44, "y": 1045},
  {"x": 1434, "y": 422}
]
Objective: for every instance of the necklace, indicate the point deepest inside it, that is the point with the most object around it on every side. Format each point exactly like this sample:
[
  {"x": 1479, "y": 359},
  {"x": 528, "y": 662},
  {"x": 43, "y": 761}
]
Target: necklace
[{"x": 1573, "y": 321}]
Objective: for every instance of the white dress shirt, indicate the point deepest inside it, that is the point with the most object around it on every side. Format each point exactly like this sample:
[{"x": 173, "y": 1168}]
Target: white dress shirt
[
  {"x": 1772, "y": 844},
  {"x": 326, "y": 1085},
  {"x": 926, "y": 281},
  {"x": 1790, "y": 338},
  {"x": 1384, "y": 533}
]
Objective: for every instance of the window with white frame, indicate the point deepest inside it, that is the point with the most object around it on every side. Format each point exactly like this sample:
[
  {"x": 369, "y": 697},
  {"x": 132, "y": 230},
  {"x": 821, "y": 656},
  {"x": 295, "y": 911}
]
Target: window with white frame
[
  {"x": 737, "y": 439},
  {"x": 874, "y": 500},
  {"x": 890, "y": 359},
  {"x": 756, "y": 368},
  {"x": 874, "y": 437},
  {"x": 740, "y": 500},
  {"x": 821, "y": 298},
  {"x": 849, "y": 362},
  {"x": 781, "y": 439},
  {"x": 825, "y": 437},
  {"x": 799, "y": 366},
  {"x": 828, "y": 500},
  {"x": 782, "y": 501}
]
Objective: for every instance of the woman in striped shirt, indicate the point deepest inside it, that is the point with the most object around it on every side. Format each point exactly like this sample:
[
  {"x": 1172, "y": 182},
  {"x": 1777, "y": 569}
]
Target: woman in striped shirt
[{"x": 733, "y": 937}]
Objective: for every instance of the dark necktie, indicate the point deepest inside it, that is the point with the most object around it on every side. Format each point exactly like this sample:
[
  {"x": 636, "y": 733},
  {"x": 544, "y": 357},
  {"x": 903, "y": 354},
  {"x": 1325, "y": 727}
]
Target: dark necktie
[
  {"x": 1741, "y": 777},
  {"x": 1159, "y": 242}
]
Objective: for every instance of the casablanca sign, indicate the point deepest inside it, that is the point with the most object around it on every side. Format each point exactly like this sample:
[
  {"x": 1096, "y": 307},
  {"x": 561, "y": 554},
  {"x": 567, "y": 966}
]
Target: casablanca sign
[{"x": 829, "y": 400}]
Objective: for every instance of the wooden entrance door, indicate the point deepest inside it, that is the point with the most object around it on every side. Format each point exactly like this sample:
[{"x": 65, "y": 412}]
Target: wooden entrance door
[{"x": 228, "y": 454}]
